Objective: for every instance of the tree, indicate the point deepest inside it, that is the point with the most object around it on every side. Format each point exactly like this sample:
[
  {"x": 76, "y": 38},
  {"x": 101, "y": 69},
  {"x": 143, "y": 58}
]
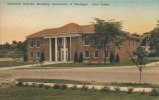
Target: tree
[
  {"x": 105, "y": 31},
  {"x": 25, "y": 57},
  {"x": 14, "y": 42},
  {"x": 117, "y": 59},
  {"x": 139, "y": 60},
  {"x": 75, "y": 57},
  {"x": 111, "y": 58},
  {"x": 154, "y": 41},
  {"x": 80, "y": 58},
  {"x": 42, "y": 57},
  {"x": 7, "y": 45}
]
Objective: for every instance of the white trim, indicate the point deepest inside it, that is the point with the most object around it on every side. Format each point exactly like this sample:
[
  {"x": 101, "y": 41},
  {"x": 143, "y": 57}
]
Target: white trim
[
  {"x": 50, "y": 49},
  {"x": 94, "y": 53}
]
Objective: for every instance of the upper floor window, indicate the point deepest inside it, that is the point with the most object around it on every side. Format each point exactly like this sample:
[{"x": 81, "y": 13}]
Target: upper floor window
[
  {"x": 31, "y": 43},
  {"x": 37, "y": 43},
  {"x": 96, "y": 55},
  {"x": 86, "y": 41},
  {"x": 87, "y": 54}
]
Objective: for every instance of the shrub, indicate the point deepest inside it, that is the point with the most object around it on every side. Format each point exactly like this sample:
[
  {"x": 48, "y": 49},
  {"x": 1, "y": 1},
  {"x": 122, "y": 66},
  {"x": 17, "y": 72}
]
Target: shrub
[
  {"x": 84, "y": 87},
  {"x": 63, "y": 86},
  {"x": 56, "y": 86},
  {"x": 154, "y": 92},
  {"x": 40, "y": 85},
  {"x": 142, "y": 92},
  {"x": 42, "y": 57},
  {"x": 117, "y": 59},
  {"x": 75, "y": 57},
  {"x": 74, "y": 87},
  {"x": 20, "y": 83},
  {"x": 111, "y": 58},
  {"x": 130, "y": 90},
  {"x": 26, "y": 84},
  {"x": 33, "y": 85},
  {"x": 117, "y": 89},
  {"x": 105, "y": 89},
  {"x": 93, "y": 89},
  {"x": 46, "y": 86},
  {"x": 80, "y": 60},
  {"x": 25, "y": 57}
]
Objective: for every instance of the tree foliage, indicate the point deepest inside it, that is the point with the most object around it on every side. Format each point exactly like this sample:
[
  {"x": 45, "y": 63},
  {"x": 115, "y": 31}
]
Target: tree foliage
[
  {"x": 42, "y": 57},
  {"x": 154, "y": 41},
  {"x": 139, "y": 60},
  {"x": 25, "y": 57},
  {"x": 105, "y": 31}
]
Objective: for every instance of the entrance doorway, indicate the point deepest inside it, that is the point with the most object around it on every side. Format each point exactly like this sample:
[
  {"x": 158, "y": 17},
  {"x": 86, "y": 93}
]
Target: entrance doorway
[{"x": 62, "y": 54}]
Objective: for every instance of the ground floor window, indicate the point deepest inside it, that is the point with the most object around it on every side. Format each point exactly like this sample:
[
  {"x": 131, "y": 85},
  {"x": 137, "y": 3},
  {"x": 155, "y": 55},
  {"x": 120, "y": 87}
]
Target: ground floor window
[
  {"x": 87, "y": 54},
  {"x": 31, "y": 54},
  {"x": 38, "y": 54},
  {"x": 96, "y": 55}
]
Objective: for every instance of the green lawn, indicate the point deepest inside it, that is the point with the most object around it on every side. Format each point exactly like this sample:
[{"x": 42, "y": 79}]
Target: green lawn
[
  {"x": 29, "y": 93},
  {"x": 13, "y": 63},
  {"x": 11, "y": 53},
  {"x": 90, "y": 83}
]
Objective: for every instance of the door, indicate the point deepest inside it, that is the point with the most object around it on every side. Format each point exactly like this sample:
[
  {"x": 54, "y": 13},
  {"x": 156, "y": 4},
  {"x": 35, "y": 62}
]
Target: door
[{"x": 62, "y": 54}]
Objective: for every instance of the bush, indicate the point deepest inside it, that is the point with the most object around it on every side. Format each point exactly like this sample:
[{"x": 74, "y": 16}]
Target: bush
[
  {"x": 20, "y": 83},
  {"x": 105, "y": 89},
  {"x": 26, "y": 84},
  {"x": 63, "y": 86},
  {"x": 130, "y": 90},
  {"x": 56, "y": 86},
  {"x": 80, "y": 58},
  {"x": 46, "y": 86},
  {"x": 75, "y": 57},
  {"x": 33, "y": 85},
  {"x": 40, "y": 85},
  {"x": 25, "y": 57},
  {"x": 111, "y": 58},
  {"x": 74, "y": 87},
  {"x": 117, "y": 89},
  {"x": 93, "y": 89},
  {"x": 117, "y": 59},
  {"x": 84, "y": 87},
  {"x": 142, "y": 92},
  {"x": 42, "y": 57},
  {"x": 154, "y": 92}
]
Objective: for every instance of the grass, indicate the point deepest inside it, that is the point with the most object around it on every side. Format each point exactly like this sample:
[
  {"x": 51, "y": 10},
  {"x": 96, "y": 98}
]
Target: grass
[
  {"x": 29, "y": 93},
  {"x": 91, "y": 83},
  {"x": 12, "y": 63},
  {"x": 152, "y": 59},
  {"x": 11, "y": 53}
]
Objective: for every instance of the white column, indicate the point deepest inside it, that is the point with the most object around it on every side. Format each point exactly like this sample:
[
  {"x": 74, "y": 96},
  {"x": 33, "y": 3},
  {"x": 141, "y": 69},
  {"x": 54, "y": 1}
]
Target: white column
[
  {"x": 50, "y": 49},
  {"x": 56, "y": 58},
  {"x": 64, "y": 49},
  {"x": 70, "y": 49}
]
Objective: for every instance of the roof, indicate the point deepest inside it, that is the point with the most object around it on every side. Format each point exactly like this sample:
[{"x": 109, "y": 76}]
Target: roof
[{"x": 71, "y": 28}]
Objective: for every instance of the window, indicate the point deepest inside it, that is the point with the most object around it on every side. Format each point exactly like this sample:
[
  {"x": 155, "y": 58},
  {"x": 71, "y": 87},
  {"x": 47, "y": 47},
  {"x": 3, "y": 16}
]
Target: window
[
  {"x": 87, "y": 54},
  {"x": 86, "y": 41},
  {"x": 96, "y": 55},
  {"x": 31, "y": 54},
  {"x": 31, "y": 43},
  {"x": 37, "y": 43},
  {"x": 38, "y": 54}
]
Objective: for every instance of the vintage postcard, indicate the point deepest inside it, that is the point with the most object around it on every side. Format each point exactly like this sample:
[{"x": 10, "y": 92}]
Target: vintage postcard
[{"x": 79, "y": 49}]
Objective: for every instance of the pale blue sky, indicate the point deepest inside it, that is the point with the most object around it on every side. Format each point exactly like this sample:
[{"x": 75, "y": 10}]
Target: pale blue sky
[{"x": 19, "y": 21}]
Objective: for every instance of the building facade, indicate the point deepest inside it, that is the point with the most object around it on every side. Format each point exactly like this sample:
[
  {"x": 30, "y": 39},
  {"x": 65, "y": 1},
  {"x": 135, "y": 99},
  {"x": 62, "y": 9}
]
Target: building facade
[{"x": 60, "y": 44}]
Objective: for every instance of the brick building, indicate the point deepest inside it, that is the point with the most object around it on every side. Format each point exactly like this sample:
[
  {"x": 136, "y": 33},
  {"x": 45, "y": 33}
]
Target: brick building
[{"x": 60, "y": 44}]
